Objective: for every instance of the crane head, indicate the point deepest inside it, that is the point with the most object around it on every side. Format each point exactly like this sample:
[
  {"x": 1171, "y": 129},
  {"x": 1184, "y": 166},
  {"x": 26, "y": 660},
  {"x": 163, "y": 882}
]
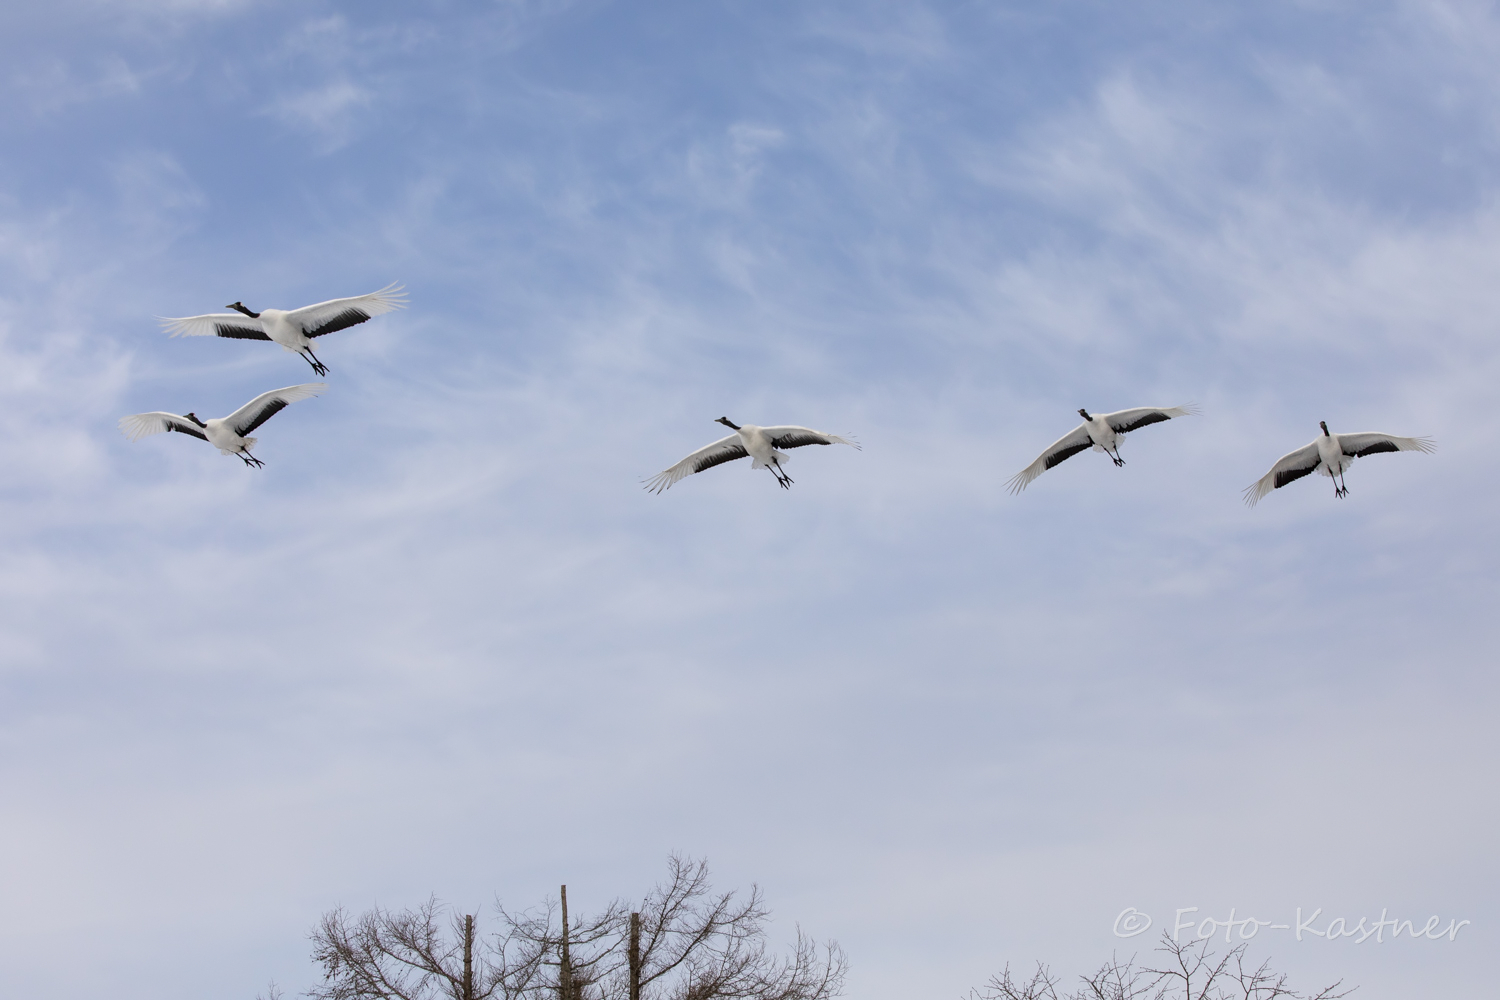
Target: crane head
[
  {"x": 1084, "y": 413},
  {"x": 727, "y": 423},
  {"x": 240, "y": 307},
  {"x": 1324, "y": 424}
]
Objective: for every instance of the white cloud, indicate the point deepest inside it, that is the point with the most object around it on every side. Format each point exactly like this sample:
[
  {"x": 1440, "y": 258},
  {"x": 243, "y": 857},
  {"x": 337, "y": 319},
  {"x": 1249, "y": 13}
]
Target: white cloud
[
  {"x": 330, "y": 111},
  {"x": 51, "y": 85},
  {"x": 154, "y": 191},
  {"x": 724, "y": 170}
]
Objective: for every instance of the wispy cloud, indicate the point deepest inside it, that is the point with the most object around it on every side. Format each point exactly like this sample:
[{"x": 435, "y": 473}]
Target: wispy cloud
[
  {"x": 330, "y": 112},
  {"x": 52, "y": 85},
  {"x": 725, "y": 171}
]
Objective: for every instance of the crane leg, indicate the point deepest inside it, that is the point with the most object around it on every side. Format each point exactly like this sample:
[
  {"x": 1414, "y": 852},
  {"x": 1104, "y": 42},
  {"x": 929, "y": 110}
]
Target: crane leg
[
  {"x": 251, "y": 460},
  {"x": 781, "y": 476},
  {"x": 1116, "y": 456},
  {"x": 312, "y": 359}
]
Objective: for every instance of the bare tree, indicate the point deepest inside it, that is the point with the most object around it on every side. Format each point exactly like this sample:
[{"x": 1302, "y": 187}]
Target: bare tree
[
  {"x": 695, "y": 944},
  {"x": 1191, "y": 971},
  {"x": 571, "y": 955},
  {"x": 684, "y": 942},
  {"x": 410, "y": 955}
]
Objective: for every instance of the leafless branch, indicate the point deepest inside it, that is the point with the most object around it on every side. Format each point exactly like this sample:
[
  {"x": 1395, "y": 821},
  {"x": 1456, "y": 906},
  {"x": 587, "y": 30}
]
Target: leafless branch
[
  {"x": 1041, "y": 986},
  {"x": 1192, "y": 966},
  {"x": 385, "y": 955},
  {"x": 1192, "y": 972}
]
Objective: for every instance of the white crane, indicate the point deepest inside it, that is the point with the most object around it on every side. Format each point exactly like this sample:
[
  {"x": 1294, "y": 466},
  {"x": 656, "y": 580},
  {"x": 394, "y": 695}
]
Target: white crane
[
  {"x": 762, "y": 444},
  {"x": 1331, "y": 455},
  {"x": 225, "y": 433},
  {"x": 293, "y": 329},
  {"x": 1102, "y": 433}
]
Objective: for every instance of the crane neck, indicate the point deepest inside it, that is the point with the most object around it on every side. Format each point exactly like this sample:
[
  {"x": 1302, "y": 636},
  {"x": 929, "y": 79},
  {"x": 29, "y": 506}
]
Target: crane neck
[{"x": 240, "y": 307}]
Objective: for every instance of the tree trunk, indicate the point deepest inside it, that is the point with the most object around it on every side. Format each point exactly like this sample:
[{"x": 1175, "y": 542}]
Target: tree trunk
[
  {"x": 468, "y": 957},
  {"x": 565, "y": 973},
  {"x": 635, "y": 956}
]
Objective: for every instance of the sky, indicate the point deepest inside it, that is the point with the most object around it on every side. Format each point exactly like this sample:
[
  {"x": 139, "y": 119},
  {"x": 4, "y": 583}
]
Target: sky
[{"x": 445, "y": 644}]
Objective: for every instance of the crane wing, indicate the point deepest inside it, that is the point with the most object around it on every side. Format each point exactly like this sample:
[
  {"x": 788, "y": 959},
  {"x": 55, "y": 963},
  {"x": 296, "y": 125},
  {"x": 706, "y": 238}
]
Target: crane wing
[
  {"x": 796, "y": 437},
  {"x": 141, "y": 425},
  {"x": 1125, "y": 421},
  {"x": 232, "y": 325},
  {"x": 268, "y": 404},
  {"x": 1060, "y": 450},
  {"x": 1373, "y": 443},
  {"x": 723, "y": 450},
  {"x": 340, "y": 314},
  {"x": 1288, "y": 469}
]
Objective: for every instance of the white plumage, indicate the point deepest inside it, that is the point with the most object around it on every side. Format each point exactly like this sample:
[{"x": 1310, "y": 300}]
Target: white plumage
[
  {"x": 293, "y": 329},
  {"x": 1101, "y": 432},
  {"x": 761, "y": 444},
  {"x": 228, "y": 434},
  {"x": 1331, "y": 455}
]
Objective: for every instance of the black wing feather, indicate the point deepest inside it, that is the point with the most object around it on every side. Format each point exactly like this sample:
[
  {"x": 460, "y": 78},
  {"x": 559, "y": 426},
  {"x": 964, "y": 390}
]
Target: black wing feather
[
  {"x": 239, "y": 332},
  {"x": 1374, "y": 449},
  {"x": 1150, "y": 418},
  {"x": 272, "y": 408},
  {"x": 1063, "y": 454},
  {"x": 344, "y": 320},
  {"x": 186, "y": 428},
  {"x": 730, "y": 454},
  {"x": 798, "y": 440},
  {"x": 1292, "y": 475}
]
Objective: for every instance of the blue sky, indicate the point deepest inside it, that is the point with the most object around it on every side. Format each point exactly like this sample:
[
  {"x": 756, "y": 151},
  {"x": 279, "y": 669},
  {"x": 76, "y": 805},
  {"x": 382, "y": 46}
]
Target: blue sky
[{"x": 444, "y": 643}]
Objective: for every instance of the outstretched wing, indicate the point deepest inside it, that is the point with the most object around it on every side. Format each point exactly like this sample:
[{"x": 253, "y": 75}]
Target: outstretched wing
[
  {"x": 1125, "y": 421},
  {"x": 796, "y": 437},
  {"x": 268, "y": 404},
  {"x": 1373, "y": 443},
  {"x": 141, "y": 425},
  {"x": 723, "y": 450},
  {"x": 340, "y": 314},
  {"x": 1060, "y": 450},
  {"x": 232, "y": 325},
  {"x": 1288, "y": 469}
]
